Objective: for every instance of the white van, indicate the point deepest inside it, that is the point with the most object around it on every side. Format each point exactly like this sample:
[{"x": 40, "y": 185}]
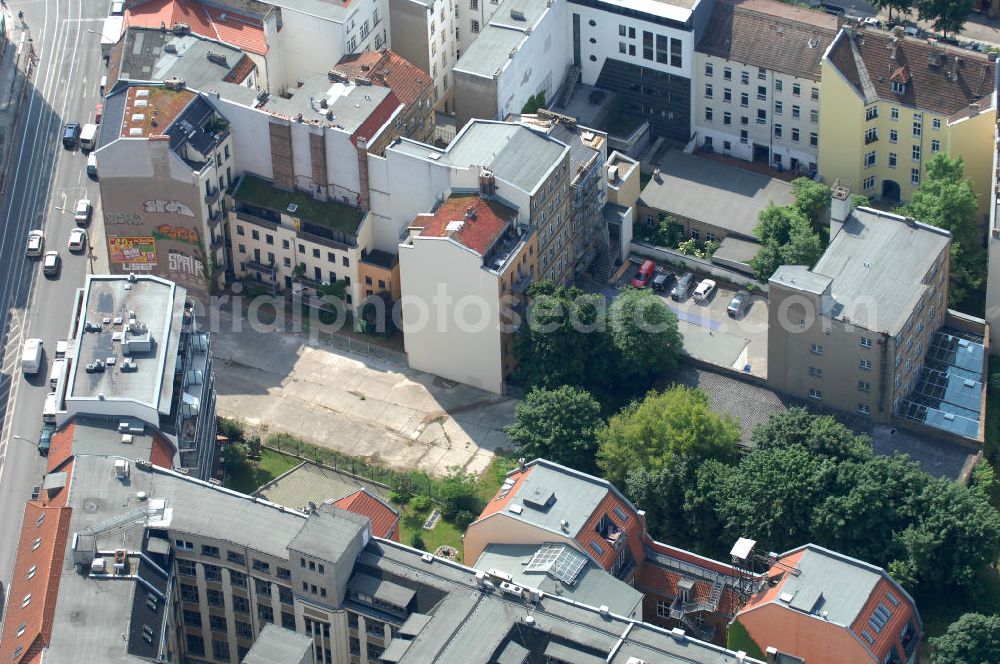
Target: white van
[
  {"x": 58, "y": 368},
  {"x": 104, "y": 85},
  {"x": 92, "y": 165},
  {"x": 88, "y": 137},
  {"x": 49, "y": 411},
  {"x": 31, "y": 357}
]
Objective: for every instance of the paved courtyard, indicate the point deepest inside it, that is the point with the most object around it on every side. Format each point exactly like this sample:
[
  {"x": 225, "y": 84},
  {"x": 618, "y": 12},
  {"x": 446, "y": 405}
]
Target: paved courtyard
[{"x": 361, "y": 406}]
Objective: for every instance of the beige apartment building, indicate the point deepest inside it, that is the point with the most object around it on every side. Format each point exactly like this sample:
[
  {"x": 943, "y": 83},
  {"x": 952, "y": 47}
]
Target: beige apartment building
[
  {"x": 853, "y": 332},
  {"x": 755, "y": 94}
]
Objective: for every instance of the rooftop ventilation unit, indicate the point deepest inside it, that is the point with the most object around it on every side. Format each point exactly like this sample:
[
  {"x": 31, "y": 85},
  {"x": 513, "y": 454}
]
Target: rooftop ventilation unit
[
  {"x": 517, "y": 14},
  {"x": 293, "y": 207}
]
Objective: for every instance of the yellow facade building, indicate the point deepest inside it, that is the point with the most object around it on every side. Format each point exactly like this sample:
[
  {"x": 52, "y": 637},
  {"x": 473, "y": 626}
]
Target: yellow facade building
[{"x": 889, "y": 103}]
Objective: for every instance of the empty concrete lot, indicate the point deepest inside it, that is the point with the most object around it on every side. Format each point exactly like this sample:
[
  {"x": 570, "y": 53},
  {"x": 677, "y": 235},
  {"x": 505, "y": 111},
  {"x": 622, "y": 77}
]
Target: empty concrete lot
[{"x": 361, "y": 406}]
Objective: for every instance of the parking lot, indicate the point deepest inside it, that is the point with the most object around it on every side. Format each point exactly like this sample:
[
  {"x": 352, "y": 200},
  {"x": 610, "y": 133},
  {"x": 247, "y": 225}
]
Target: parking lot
[{"x": 711, "y": 335}]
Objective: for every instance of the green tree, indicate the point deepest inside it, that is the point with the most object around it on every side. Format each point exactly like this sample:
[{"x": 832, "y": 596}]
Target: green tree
[
  {"x": 955, "y": 534},
  {"x": 644, "y": 335},
  {"x": 559, "y": 425},
  {"x": 803, "y": 248},
  {"x": 770, "y": 495},
  {"x": 564, "y": 341},
  {"x": 775, "y": 223},
  {"x": 766, "y": 260},
  {"x": 972, "y": 639},
  {"x": 946, "y": 199},
  {"x": 901, "y": 6},
  {"x": 457, "y": 493},
  {"x": 811, "y": 198},
  {"x": 820, "y": 434},
  {"x": 668, "y": 496},
  {"x": 668, "y": 232},
  {"x": 652, "y": 433},
  {"x": 946, "y": 16}
]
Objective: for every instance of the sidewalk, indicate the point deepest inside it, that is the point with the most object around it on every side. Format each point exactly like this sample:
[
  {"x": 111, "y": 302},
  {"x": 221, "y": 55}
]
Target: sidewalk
[{"x": 16, "y": 66}]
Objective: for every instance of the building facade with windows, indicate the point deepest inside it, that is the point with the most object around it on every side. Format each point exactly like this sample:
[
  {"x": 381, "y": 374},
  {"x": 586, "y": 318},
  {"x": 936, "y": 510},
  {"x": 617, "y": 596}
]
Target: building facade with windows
[
  {"x": 756, "y": 93},
  {"x": 853, "y": 332},
  {"x": 891, "y": 102},
  {"x": 426, "y": 33}
]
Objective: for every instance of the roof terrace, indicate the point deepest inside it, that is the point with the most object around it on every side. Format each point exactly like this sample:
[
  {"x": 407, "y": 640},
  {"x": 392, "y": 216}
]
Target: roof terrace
[{"x": 326, "y": 219}]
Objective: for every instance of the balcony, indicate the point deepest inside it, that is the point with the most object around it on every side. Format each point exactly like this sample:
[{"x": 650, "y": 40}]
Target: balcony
[
  {"x": 250, "y": 218},
  {"x": 267, "y": 270},
  {"x": 214, "y": 217},
  {"x": 212, "y": 195}
]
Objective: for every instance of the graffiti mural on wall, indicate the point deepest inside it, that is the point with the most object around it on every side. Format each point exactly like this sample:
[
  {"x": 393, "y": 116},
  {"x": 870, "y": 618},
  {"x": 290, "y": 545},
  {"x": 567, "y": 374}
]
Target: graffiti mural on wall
[
  {"x": 177, "y": 233},
  {"x": 168, "y": 207}
]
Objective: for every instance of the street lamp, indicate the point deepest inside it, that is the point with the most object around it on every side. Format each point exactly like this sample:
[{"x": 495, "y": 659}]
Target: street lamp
[{"x": 27, "y": 440}]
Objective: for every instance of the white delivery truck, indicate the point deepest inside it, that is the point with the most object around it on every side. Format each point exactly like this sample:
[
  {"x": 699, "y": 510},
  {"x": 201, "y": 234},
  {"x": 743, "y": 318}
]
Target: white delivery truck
[
  {"x": 31, "y": 357},
  {"x": 88, "y": 137},
  {"x": 51, "y": 405},
  {"x": 58, "y": 368}
]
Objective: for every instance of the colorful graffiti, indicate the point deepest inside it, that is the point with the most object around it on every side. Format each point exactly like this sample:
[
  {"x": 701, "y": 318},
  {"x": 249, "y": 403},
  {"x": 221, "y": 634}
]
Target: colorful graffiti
[
  {"x": 177, "y": 233},
  {"x": 132, "y": 250}
]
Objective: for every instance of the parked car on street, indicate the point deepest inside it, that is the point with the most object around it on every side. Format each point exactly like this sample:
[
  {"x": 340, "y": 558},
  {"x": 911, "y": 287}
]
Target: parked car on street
[
  {"x": 642, "y": 278},
  {"x": 663, "y": 281},
  {"x": 739, "y": 304},
  {"x": 82, "y": 212},
  {"x": 77, "y": 239},
  {"x": 36, "y": 244},
  {"x": 704, "y": 290},
  {"x": 682, "y": 289}
]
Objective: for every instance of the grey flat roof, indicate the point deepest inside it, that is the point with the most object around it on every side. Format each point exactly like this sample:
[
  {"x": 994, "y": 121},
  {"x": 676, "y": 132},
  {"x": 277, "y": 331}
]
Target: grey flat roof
[
  {"x": 331, "y": 10},
  {"x": 100, "y": 436},
  {"x": 146, "y": 57},
  {"x": 489, "y": 52},
  {"x": 734, "y": 249},
  {"x": 575, "y": 495},
  {"x": 277, "y": 645},
  {"x": 877, "y": 262},
  {"x": 802, "y": 278},
  {"x": 830, "y": 582},
  {"x": 513, "y": 152},
  {"x": 705, "y": 190},
  {"x": 593, "y": 585},
  {"x": 350, "y": 104},
  {"x": 381, "y": 589},
  {"x": 328, "y": 531},
  {"x": 159, "y": 305},
  {"x": 311, "y": 482}
]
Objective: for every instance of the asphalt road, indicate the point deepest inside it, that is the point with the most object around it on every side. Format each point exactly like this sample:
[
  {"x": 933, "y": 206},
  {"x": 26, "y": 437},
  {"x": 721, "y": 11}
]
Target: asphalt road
[{"x": 45, "y": 182}]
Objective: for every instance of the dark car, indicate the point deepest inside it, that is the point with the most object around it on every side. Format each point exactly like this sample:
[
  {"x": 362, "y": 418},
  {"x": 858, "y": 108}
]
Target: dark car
[
  {"x": 739, "y": 304},
  {"x": 682, "y": 289},
  {"x": 71, "y": 135},
  {"x": 664, "y": 281},
  {"x": 45, "y": 438}
]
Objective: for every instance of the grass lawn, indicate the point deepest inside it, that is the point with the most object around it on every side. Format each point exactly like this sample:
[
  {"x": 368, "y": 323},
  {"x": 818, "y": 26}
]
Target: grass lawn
[
  {"x": 260, "y": 192},
  {"x": 411, "y": 523},
  {"x": 244, "y": 477}
]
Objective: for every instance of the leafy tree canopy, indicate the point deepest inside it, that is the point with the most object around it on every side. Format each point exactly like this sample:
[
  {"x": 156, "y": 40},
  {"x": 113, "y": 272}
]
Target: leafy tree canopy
[
  {"x": 559, "y": 425},
  {"x": 972, "y": 639}
]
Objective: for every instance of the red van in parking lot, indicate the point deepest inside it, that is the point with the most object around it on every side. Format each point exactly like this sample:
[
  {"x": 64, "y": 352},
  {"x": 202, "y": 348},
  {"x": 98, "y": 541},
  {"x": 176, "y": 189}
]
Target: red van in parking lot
[{"x": 646, "y": 271}]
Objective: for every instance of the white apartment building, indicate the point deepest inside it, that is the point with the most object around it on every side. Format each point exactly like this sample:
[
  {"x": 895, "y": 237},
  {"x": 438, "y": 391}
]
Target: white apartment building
[
  {"x": 757, "y": 82},
  {"x": 425, "y": 32}
]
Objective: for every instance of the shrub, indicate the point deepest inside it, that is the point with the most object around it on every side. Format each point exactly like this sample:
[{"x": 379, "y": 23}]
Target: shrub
[
  {"x": 420, "y": 503},
  {"x": 463, "y": 519},
  {"x": 417, "y": 542},
  {"x": 400, "y": 496}
]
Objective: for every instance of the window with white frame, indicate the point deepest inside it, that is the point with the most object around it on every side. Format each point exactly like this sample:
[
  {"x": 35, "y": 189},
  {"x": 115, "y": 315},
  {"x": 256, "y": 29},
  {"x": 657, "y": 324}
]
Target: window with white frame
[
  {"x": 869, "y": 182},
  {"x": 935, "y": 145},
  {"x": 865, "y": 364},
  {"x": 894, "y": 113},
  {"x": 815, "y": 372},
  {"x": 870, "y": 158},
  {"x": 916, "y": 153},
  {"x": 865, "y": 342},
  {"x": 915, "y": 175},
  {"x": 778, "y": 107},
  {"x": 864, "y": 386},
  {"x": 936, "y": 123},
  {"x": 918, "y": 123},
  {"x": 815, "y": 394},
  {"x": 777, "y": 131},
  {"x": 864, "y": 408},
  {"x": 816, "y": 349},
  {"x": 708, "y": 114},
  {"x": 708, "y": 91},
  {"x": 893, "y": 136}
]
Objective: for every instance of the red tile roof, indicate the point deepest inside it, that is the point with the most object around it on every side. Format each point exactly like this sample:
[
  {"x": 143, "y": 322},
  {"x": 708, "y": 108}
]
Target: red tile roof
[
  {"x": 501, "y": 500},
  {"x": 377, "y": 119},
  {"x": 771, "y": 593},
  {"x": 631, "y": 529},
  {"x": 385, "y": 520},
  {"x": 479, "y": 228},
  {"x": 243, "y": 32},
  {"x": 162, "y": 454},
  {"x": 35, "y": 582},
  {"x": 388, "y": 69},
  {"x": 902, "y": 614},
  {"x": 61, "y": 447},
  {"x": 243, "y": 68}
]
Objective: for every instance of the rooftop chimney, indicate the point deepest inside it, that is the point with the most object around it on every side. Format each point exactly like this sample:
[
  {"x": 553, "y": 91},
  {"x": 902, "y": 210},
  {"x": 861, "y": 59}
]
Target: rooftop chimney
[
  {"x": 894, "y": 48},
  {"x": 840, "y": 205}
]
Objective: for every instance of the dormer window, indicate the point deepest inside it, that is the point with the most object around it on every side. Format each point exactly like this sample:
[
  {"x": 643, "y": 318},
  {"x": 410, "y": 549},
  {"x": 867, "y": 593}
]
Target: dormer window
[{"x": 898, "y": 88}]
